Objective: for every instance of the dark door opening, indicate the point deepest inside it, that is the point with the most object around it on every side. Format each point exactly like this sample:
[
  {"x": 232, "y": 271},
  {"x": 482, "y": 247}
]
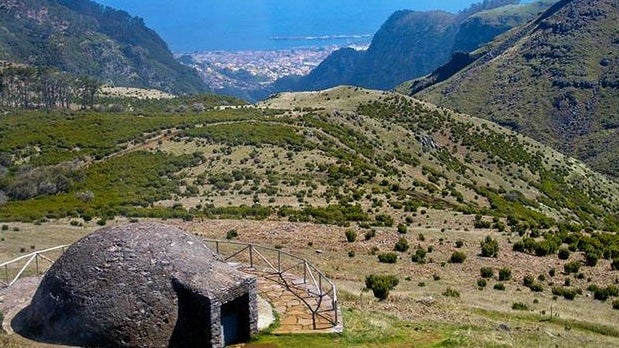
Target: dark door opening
[
  {"x": 193, "y": 326},
  {"x": 235, "y": 320}
]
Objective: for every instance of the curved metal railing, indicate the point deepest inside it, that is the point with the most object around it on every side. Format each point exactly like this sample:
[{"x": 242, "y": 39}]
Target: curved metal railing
[{"x": 285, "y": 265}]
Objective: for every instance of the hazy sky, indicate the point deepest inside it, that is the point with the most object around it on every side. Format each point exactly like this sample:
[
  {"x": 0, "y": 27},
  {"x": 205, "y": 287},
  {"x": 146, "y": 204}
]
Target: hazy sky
[{"x": 189, "y": 25}]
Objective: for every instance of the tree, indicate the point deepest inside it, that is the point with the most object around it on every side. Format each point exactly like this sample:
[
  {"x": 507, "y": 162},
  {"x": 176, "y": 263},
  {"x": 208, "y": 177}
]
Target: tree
[{"x": 87, "y": 87}]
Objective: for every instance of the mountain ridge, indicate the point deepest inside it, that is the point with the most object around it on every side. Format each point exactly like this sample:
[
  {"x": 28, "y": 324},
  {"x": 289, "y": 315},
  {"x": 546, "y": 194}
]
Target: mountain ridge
[
  {"x": 84, "y": 38},
  {"x": 554, "y": 79}
]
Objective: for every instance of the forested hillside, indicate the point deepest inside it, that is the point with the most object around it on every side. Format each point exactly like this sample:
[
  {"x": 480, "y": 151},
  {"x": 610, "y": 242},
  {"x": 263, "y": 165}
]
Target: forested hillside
[
  {"x": 81, "y": 37},
  {"x": 555, "y": 80}
]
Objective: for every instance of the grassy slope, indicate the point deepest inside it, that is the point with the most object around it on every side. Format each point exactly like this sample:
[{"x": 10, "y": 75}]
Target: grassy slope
[{"x": 553, "y": 84}]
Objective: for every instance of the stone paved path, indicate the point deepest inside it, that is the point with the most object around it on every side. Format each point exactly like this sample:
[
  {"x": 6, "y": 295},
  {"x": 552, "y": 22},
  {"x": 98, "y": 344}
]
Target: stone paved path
[{"x": 292, "y": 302}]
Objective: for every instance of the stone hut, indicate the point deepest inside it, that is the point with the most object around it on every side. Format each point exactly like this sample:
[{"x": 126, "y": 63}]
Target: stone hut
[{"x": 141, "y": 285}]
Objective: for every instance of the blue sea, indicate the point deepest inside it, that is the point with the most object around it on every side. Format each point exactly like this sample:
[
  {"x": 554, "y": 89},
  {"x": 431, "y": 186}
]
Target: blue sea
[{"x": 237, "y": 25}]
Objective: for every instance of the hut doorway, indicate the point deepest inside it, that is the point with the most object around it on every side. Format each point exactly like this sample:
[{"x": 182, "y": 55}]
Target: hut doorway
[
  {"x": 235, "y": 320},
  {"x": 193, "y": 326}
]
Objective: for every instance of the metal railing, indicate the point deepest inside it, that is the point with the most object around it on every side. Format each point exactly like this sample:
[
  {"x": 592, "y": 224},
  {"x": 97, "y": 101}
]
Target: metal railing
[
  {"x": 32, "y": 260},
  {"x": 285, "y": 266}
]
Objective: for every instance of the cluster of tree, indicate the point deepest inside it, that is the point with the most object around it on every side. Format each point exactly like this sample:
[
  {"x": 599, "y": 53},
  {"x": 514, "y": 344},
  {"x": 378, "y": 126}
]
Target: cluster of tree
[{"x": 28, "y": 87}]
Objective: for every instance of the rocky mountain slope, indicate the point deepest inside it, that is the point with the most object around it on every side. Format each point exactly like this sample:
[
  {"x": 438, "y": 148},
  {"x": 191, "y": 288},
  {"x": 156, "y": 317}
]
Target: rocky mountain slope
[
  {"x": 412, "y": 44},
  {"x": 83, "y": 38},
  {"x": 555, "y": 79}
]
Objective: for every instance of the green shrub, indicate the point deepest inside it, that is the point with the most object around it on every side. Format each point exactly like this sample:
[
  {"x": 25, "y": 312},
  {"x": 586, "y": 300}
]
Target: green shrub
[
  {"x": 351, "y": 253},
  {"x": 519, "y": 306},
  {"x": 388, "y": 257},
  {"x": 421, "y": 237},
  {"x": 457, "y": 257},
  {"x": 370, "y": 234},
  {"x": 615, "y": 264},
  {"x": 499, "y": 286},
  {"x": 600, "y": 294},
  {"x": 616, "y": 304},
  {"x": 450, "y": 292},
  {"x": 459, "y": 244},
  {"x": 402, "y": 228},
  {"x": 489, "y": 247},
  {"x": 592, "y": 255},
  {"x": 419, "y": 256},
  {"x": 567, "y": 293},
  {"x": 564, "y": 253},
  {"x": 481, "y": 282},
  {"x": 571, "y": 267},
  {"x": 505, "y": 274},
  {"x": 486, "y": 272},
  {"x": 401, "y": 245},
  {"x": 381, "y": 284},
  {"x": 5, "y": 227},
  {"x": 231, "y": 234},
  {"x": 351, "y": 236}
]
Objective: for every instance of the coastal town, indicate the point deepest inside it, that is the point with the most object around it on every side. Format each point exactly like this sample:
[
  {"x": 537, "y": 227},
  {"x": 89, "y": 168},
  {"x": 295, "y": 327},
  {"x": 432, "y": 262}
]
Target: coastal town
[{"x": 246, "y": 70}]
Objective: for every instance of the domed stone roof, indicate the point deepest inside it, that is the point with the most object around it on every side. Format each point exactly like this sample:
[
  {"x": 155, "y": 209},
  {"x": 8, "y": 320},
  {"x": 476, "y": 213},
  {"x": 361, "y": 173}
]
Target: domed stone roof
[{"x": 120, "y": 286}]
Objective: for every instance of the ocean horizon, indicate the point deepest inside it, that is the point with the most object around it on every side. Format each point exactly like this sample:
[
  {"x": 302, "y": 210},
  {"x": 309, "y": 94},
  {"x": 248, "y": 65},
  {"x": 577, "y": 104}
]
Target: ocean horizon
[{"x": 191, "y": 25}]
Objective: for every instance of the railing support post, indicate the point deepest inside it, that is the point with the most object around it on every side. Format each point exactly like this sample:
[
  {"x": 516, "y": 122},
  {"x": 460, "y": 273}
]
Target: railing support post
[
  {"x": 279, "y": 261},
  {"x": 305, "y": 272},
  {"x": 251, "y": 256},
  {"x": 36, "y": 264}
]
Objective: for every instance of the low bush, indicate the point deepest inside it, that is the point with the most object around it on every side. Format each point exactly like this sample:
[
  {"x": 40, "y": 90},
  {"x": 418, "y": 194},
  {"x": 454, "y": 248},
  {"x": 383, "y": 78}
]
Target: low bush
[
  {"x": 450, "y": 292},
  {"x": 401, "y": 245},
  {"x": 499, "y": 286},
  {"x": 567, "y": 293},
  {"x": 381, "y": 284},
  {"x": 486, "y": 272},
  {"x": 505, "y": 274},
  {"x": 457, "y": 257},
  {"x": 564, "y": 253},
  {"x": 232, "y": 234},
  {"x": 388, "y": 257},
  {"x": 571, "y": 267},
  {"x": 481, "y": 282},
  {"x": 419, "y": 256},
  {"x": 489, "y": 247},
  {"x": 519, "y": 306},
  {"x": 351, "y": 236}
]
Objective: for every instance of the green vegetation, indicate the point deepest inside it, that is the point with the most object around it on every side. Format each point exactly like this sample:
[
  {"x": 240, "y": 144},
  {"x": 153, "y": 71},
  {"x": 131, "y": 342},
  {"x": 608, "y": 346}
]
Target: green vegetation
[
  {"x": 505, "y": 274},
  {"x": 381, "y": 284},
  {"x": 519, "y": 306},
  {"x": 486, "y": 272},
  {"x": 134, "y": 55},
  {"x": 489, "y": 247},
  {"x": 351, "y": 236},
  {"x": 457, "y": 257},
  {"x": 388, "y": 257}
]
